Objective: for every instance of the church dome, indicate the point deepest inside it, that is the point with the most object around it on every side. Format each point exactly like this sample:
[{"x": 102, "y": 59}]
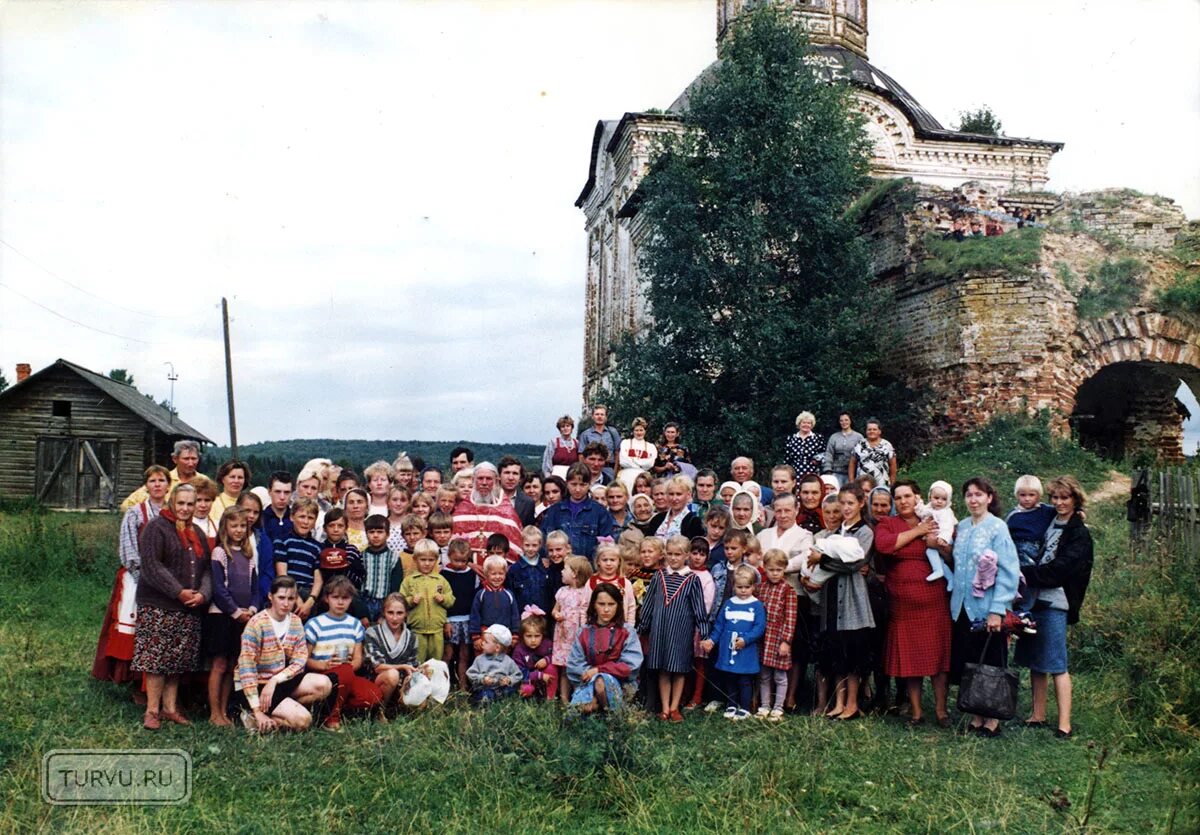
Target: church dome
[
  {"x": 837, "y": 63},
  {"x": 828, "y": 22}
]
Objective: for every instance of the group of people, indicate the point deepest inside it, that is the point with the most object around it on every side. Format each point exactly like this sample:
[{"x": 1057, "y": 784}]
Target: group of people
[{"x": 619, "y": 571}]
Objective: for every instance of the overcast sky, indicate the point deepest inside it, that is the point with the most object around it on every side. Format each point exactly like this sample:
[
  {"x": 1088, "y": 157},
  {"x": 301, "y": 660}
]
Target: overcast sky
[{"x": 384, "y": 191}]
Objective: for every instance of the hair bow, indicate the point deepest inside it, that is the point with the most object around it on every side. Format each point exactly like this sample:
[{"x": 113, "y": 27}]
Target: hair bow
[{"x": 530, "y": 611}]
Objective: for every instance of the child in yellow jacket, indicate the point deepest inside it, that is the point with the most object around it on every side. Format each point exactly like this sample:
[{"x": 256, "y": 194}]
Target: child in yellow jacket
[{"x": 429, "y": 599}]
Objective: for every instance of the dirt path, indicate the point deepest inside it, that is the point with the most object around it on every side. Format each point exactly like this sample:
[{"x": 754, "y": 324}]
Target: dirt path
[{"x": 1117, "y": 487}]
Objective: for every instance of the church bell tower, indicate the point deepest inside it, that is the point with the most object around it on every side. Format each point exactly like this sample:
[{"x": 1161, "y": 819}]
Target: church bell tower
[{"x": 829, "y": 22}]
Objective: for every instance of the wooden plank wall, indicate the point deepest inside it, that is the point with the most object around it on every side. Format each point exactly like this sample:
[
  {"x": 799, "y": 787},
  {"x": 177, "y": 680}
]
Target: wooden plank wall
[{"x": 26, "y": 414}]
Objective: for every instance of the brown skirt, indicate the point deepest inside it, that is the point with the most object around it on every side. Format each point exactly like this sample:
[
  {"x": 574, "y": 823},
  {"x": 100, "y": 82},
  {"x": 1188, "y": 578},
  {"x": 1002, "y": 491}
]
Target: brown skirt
[{"x": 166, "y": 643}]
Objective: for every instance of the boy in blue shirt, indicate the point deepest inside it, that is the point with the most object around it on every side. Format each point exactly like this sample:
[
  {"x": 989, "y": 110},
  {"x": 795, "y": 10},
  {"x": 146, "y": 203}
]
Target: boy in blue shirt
[{"x": 584, "y": 520}]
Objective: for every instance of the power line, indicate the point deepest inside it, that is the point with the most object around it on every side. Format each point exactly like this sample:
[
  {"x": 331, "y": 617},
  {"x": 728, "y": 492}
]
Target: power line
[
  {"x": 74, "y": 286},
  {"x": 76, "y": 321}
]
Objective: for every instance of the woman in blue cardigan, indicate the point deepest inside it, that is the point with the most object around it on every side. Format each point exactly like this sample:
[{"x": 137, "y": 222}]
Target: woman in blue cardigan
[{"x": 983, "y": 530}]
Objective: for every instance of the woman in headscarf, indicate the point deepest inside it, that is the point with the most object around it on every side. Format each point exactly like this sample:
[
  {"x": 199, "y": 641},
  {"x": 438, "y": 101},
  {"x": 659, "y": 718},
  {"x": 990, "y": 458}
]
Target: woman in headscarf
[
  {"x": 114, "y": 650},
  {"x": 745, "y": 510},
  {"x": 173, "y": 592}
]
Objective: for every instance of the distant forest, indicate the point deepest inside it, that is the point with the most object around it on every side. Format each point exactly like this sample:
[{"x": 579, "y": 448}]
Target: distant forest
[{"x": 268, "y": 456}]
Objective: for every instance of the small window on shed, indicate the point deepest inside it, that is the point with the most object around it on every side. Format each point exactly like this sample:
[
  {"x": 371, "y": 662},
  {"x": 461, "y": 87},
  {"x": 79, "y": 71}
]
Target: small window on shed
[{"x": 61, "y": 408}]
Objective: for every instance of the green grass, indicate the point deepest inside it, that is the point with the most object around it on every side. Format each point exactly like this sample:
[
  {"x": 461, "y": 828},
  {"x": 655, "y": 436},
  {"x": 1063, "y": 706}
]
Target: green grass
[
  {"x": 879, "y": 191},
  {"x": 1182, "y": 295},
  {"x": 1014, "y": 253},
  {"x": 1006, "y": 448},
  {"x": 516, "y": 768},
  {"x": 1111, "y": 287}
]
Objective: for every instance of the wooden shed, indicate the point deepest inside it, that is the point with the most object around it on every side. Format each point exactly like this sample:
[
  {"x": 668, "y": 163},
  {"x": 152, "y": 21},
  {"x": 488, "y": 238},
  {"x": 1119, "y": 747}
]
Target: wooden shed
[{"x": 75, "y": 439}]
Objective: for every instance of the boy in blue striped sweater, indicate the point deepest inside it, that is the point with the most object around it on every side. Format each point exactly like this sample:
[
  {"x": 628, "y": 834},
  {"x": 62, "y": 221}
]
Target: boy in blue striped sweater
[{"x": 299, "y": 556}]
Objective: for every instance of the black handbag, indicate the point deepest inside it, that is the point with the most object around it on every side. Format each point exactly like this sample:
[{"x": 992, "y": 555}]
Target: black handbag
[{"x": 987, "y": 690}]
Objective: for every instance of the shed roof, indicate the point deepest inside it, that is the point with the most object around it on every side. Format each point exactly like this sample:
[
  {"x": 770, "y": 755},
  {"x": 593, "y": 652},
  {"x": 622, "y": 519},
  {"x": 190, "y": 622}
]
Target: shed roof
[{"x": 129, "y": 397}]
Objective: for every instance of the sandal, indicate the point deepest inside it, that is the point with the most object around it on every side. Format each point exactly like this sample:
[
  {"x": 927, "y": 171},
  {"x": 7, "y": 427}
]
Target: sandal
[
  {"x": 151, "y": 721},
  {"x": 175, "y": 716}
]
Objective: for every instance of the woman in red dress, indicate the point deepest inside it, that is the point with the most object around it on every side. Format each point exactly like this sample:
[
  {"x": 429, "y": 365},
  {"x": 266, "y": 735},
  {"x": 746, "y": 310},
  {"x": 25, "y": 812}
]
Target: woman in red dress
[{"x": 918, "y": 635}]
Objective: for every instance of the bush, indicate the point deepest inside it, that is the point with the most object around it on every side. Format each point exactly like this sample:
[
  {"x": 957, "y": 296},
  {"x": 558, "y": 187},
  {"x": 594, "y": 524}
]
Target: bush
[
  {"x": 1183, "y": 296},
  {"x": 1138, "y": 629},
  {"x": 982, "y": 121},
  {"x": 1007, "y": 447},
  {"x": 1015, "y": 253},
  {"x": 1112, "y": 286}
]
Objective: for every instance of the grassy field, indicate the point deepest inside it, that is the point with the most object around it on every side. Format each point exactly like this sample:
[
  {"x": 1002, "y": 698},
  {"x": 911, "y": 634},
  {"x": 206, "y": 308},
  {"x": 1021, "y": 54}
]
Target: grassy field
[{"x": 516, "y": 768}]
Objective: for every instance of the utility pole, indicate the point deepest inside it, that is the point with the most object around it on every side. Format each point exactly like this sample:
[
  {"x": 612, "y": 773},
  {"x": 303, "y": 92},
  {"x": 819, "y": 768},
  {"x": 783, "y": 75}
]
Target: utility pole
[
  {"x": 172, "y": 376},
  {"x": 233, "y": 452}
]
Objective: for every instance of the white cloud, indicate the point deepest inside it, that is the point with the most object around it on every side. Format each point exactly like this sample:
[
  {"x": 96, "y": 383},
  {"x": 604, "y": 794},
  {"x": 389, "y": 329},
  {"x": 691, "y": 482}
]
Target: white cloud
[{"x": 384, "y": 190}]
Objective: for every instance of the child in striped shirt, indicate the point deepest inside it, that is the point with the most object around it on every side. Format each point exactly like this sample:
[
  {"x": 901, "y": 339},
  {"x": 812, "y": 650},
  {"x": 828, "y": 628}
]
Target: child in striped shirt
[
  {"x": 299, "y": 556},
  {"x": 335, "y": 648},
  {"x": 381, "y": 567}
]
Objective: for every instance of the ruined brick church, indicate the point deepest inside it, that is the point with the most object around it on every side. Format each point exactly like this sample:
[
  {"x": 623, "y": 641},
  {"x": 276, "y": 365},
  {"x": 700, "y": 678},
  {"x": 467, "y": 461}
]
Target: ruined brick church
[{"x": 986, "y": 342}]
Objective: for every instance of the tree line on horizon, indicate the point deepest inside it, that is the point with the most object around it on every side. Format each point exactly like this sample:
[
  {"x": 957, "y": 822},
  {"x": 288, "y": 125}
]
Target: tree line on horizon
[{"x": 265, "y": 457}]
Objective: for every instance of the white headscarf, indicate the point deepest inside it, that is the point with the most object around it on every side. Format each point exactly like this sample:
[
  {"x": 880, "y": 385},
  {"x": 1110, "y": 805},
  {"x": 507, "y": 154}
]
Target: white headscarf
[{"x": 756, "y": 510}]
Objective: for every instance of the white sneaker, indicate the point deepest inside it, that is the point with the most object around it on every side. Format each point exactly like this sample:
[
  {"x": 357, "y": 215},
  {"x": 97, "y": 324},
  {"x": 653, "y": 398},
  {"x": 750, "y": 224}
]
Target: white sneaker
[
  {"x": 763, "y": 712},
  {"x": 731, "y": 712},
  {"x": 712, "y": 707},
  {"x": 740, "y": 715},
  {"x": 776, "y": 715}
]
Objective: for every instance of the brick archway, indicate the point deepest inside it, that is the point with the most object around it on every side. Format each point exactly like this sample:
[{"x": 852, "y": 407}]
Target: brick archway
[{"x": 1120, "y": 386}]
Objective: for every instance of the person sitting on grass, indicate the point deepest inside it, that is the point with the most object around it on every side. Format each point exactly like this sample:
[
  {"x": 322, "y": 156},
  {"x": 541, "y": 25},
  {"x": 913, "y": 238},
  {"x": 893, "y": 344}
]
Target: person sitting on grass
[
  {"x": 493, "y": 674},
  {"x": 605, "y": 656},
  {"x": 391, "y": 650},
  {"x": 335, "y": 648},
  {"x": 533, "y": 655},
  {"x": 276, "y": 691}
]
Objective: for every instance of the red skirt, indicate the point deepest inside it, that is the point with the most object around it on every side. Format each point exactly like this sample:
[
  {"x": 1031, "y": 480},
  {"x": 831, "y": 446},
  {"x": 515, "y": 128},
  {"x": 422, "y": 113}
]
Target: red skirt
[
  {"x": 114, "y": 649},
  {"x": 918, "y": 634}
]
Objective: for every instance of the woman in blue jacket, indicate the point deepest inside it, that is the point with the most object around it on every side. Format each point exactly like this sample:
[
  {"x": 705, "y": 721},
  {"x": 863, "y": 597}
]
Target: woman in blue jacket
[{"x": 983, "y": 530}]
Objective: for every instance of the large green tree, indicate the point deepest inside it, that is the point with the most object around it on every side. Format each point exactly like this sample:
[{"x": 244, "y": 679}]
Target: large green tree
[{"x": 757, "y": 284}]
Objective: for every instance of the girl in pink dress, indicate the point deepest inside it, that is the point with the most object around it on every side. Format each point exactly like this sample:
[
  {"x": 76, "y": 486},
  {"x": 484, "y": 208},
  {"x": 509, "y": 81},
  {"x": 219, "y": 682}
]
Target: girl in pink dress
[{"x": 570, "y": 614}]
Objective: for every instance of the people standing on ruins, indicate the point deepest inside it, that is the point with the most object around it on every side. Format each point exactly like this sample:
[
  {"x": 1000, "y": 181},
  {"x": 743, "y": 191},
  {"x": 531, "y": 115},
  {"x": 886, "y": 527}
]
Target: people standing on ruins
[
  {"x": 873, "y": 456},
  {"x": 840, "y": 448},
  {"x": 804, "y": 449}
]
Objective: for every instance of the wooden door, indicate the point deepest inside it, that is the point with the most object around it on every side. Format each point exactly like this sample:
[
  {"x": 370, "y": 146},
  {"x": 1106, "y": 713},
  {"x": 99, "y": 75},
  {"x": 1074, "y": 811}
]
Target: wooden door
[
  {"x": 55, "y": 481},
  {"x": 77, "y": 473}
]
